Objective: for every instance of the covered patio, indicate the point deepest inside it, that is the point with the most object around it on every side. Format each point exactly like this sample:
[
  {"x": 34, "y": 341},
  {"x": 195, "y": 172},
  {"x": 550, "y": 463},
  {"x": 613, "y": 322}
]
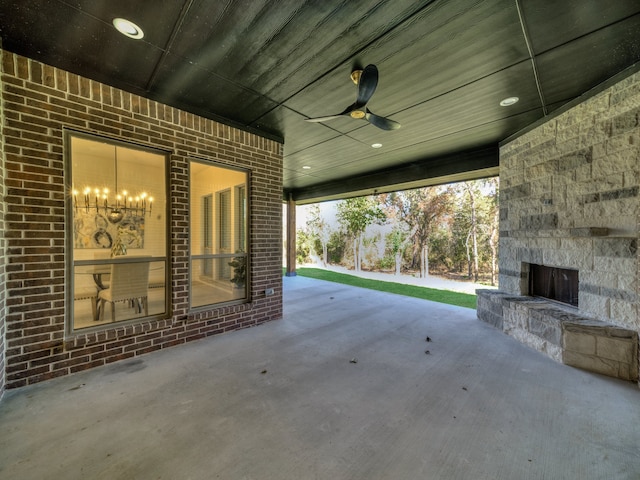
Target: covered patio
[{"x": 344, "y": 386}]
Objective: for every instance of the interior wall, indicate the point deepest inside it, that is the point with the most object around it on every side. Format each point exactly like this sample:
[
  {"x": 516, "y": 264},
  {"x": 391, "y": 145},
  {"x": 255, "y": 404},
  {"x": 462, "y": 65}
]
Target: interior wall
[
  {"x": 39, "y": 102},
  {"x": 570, "y": 197}
]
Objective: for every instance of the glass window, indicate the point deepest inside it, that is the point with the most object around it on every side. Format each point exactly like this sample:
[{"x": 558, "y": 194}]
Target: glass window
[
  {"x": 117, "y": 232},
  {"x": 218, "y": 234}
]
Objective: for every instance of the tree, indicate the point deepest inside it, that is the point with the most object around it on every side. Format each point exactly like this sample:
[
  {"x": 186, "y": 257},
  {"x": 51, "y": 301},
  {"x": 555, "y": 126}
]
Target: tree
[
  {"x": 355, "y": 215},
  {"x": 494, "y": 230},
  {"x": 473, "y": 230},
  {"x": 336, "y": 246},
  {"x": 419, "y": 210},
  {"x": 475, "y": 227},
  {"x": 303, "y": 247},
  {"x": 397, "y": 241},
  {"x": 319, "y": 230}
]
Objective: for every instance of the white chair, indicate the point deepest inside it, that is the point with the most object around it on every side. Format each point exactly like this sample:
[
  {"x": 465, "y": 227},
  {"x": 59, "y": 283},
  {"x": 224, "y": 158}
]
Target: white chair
[
  {"x": 129, "y": 282},
  {"x": 87, "y": 294}
]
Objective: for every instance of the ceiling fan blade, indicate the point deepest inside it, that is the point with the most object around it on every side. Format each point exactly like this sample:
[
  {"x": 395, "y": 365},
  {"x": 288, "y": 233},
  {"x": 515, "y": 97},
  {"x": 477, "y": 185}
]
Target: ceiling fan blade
[
  {"x": 346, "y": 111},
  {"x": 367, "y": 84},
  {"x": 381, "y": 122},
  {"x": 323, "y": 119}
]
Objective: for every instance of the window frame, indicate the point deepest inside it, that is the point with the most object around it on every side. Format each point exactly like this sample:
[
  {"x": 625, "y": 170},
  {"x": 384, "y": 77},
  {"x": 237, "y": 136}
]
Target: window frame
[
  {"x": 216, "y": 235},
  {"x": 71, "y": 263},
  {"x": 223, "y": 219},
  {"x": 241, "y": 210}
]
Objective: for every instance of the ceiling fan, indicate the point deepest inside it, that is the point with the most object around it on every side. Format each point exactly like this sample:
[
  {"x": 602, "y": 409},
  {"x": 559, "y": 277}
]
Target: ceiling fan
[{"x": 366, "y": 81}]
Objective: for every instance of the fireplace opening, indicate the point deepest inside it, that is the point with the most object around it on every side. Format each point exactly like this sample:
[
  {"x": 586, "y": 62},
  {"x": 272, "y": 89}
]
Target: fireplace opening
[{"x": 553, "y": 283}]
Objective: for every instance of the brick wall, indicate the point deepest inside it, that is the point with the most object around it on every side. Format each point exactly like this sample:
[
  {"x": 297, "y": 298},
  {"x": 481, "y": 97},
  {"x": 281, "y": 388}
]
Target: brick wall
[
  {"x": 2, "y": 258},
  {"x": 38, "y": 102}
]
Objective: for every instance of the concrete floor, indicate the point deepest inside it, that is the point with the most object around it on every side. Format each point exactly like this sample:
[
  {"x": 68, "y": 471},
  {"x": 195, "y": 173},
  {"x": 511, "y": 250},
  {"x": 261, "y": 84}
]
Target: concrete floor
[{"x": 340, "y": 388}]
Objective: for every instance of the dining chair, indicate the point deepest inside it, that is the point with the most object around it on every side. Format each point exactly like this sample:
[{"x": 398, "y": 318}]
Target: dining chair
[
  {"x": 129, "y": 282},
  {"x": 87, "y": 294}
]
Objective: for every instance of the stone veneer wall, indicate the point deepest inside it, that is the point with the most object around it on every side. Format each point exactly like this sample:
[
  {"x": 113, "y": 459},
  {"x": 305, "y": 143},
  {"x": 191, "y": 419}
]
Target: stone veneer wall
[
  {"x": 570, "y": 197},
  {"x": 38, "y": 102}
]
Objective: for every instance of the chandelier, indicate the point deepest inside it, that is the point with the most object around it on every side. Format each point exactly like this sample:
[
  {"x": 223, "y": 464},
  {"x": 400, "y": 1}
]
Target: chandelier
[
  {"x": 99, "y": 199},
  {"x": 113, "y": 208}
]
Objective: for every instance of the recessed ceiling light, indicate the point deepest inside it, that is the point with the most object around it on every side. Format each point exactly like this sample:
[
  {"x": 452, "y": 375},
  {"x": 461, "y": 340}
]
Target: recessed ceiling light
[
  {"x": 507, "y": 102},
  {"x": 128, "y": 28},
  {"x": 306, "y": 167},
  {"x": 376, "y": 145}
]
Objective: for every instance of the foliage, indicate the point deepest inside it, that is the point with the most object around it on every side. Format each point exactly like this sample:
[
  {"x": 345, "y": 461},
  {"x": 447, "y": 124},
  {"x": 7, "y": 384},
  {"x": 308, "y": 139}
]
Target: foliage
[
  {"x": 303, "y": 247},
  {"x": 387, "y": 262},
  {"x": 397, "y": 239},
  {"x": 336, "y": 247},
  {"x": 320, "y": 233},
  {"x": 355, "y": 215},
  {"x": 440, "y": 257},
  {"x": 419, "y": 210},
  {"x": 372, "y": 250},
  {"x": 397, "y": 242},
  {"x": 451, "y": 229},
  {"x": 478, "y": 204},
  {"x": 239, "y": 265}
]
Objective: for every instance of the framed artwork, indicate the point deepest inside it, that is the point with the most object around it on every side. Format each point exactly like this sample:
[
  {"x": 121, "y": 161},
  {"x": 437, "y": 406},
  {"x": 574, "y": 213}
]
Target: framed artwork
[{"x": 91, "y": 229}]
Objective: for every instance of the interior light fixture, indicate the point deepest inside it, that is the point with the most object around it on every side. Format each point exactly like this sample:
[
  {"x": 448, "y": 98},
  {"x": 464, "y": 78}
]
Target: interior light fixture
[
  {"x": 128, "y": 28},
  {"x": 99, "y": 199},
  {"x": 507, "y": 102},
  {"x": 376, "y": 145}
]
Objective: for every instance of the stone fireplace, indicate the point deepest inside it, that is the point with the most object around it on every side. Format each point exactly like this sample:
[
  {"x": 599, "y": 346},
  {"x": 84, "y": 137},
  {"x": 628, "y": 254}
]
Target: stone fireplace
[{"x": 569, "y": 222}]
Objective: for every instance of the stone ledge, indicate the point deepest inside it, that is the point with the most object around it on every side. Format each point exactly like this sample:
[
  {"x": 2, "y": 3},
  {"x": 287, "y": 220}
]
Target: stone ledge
[
  {"x": 589, "y": 232},
  {"x": 563, "y": 333}
]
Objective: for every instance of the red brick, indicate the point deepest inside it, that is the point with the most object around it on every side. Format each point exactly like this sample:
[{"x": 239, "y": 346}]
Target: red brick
[{"x": 38, "y": 102}]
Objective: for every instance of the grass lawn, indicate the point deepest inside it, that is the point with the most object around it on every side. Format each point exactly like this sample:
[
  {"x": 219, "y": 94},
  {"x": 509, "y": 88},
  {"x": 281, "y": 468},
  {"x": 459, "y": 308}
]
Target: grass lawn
[{"x": 443, "y": 296}]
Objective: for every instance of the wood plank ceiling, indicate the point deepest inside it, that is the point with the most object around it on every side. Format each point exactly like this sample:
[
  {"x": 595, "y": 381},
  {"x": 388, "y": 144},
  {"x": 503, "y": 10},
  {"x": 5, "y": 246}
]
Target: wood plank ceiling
[{"x": 266, "y": 66}]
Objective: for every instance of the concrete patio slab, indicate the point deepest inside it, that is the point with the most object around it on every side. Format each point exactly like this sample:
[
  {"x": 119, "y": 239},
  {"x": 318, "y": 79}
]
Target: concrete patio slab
[{"x": 341, "y": 388}]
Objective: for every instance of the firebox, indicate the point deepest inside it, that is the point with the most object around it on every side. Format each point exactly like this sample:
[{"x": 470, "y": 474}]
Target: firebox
[{"x": 553, "y": 283}]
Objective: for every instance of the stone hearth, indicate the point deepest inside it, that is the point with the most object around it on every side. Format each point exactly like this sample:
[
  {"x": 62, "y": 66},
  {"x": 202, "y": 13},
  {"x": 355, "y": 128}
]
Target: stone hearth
[
  {"x": 563, "y": 333},
  {"x": 570, "y": 198}
]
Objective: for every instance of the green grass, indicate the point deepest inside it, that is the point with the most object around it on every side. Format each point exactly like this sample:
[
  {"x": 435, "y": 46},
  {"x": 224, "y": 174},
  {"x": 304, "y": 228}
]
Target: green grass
[{"x": 443, "y": 296}]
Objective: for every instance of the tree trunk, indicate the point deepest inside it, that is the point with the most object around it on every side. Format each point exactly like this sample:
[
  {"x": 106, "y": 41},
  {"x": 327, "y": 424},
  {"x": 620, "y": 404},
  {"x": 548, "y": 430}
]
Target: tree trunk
[
  {"x": 425, "y": 253},
  {"x": 416, "y": 259},
  {"x": 474, "y": 232},
  {"x": 493, "y": 244},
  {"x": 356, "y": 260},
  {"x": 324, "y": 254},
  {"x": 398, "y": 262},
  {"x": 424, "y": 262},
  {"x": 468, "y": 255}
]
